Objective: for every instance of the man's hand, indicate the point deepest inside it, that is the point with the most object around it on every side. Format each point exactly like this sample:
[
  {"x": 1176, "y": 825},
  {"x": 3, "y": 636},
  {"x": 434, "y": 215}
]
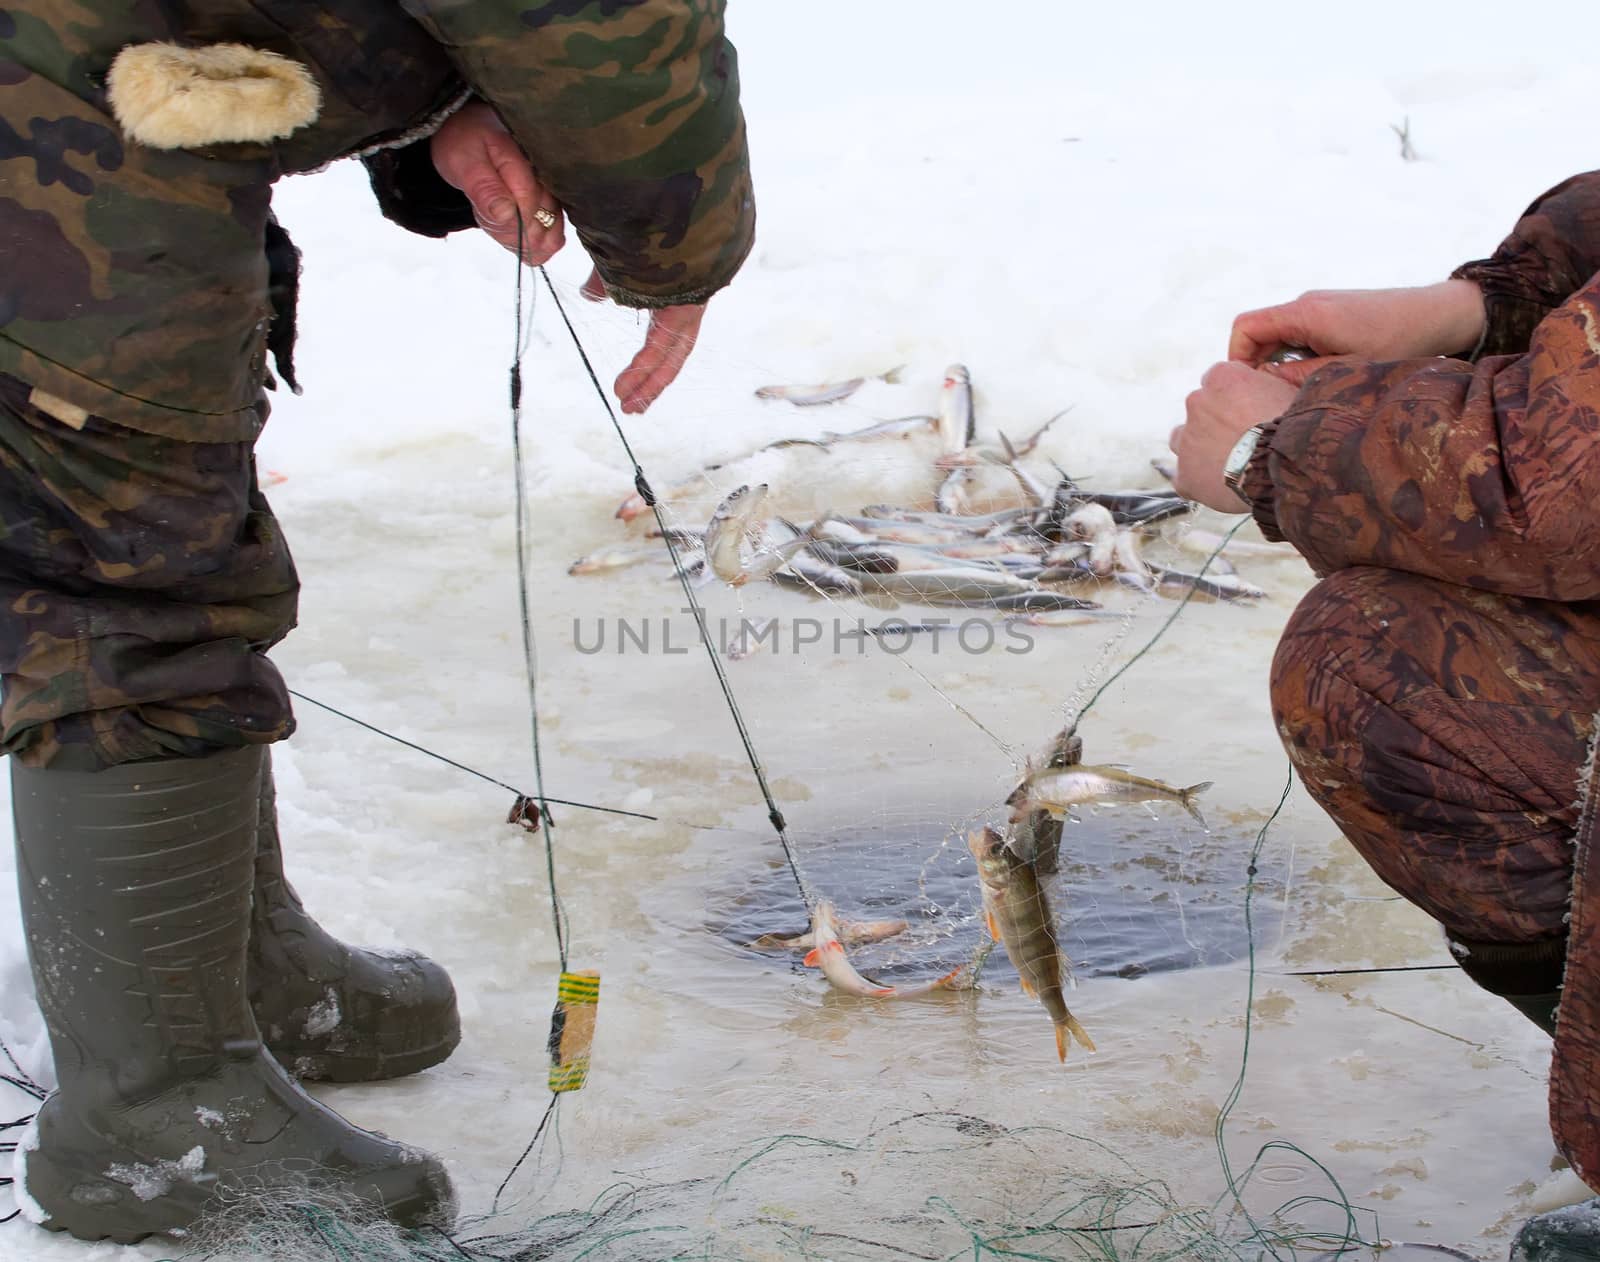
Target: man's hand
[
  {"x": 1443, "y": 319},
  {"x": 1231, "y": 399},
  {"x": 671, "y": 336},
  {"x": 475, "y": 153}
]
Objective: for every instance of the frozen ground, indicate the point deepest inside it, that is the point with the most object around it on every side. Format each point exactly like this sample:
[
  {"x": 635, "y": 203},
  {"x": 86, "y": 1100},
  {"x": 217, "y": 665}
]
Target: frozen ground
[{"x": 1075, "y": 207}]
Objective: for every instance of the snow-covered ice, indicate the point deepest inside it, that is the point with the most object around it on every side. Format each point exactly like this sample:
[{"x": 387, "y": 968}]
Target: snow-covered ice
[{"x": 1074, "y": 205}]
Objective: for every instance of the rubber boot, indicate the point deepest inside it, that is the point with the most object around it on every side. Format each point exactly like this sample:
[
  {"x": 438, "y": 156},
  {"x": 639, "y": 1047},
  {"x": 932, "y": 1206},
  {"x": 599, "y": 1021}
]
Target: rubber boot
[
  {"x": 1571, "y": 1234},
  {"x": 332, "y": 1012},
  {"x": 1526, "y": 975},
  {"x": 136, "y": 887}
]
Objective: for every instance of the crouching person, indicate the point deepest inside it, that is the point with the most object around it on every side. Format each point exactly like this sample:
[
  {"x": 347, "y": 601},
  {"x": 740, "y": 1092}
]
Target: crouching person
[{"x": 1437, "y": 689}]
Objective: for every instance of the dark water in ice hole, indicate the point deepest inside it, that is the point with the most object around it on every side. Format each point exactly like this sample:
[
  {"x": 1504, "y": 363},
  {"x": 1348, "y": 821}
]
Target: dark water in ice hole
[{"x": 1139, "y": 891}]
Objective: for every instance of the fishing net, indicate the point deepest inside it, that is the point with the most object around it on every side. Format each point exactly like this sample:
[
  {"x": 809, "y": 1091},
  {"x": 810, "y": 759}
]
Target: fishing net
[{"x": 736, "y": 1107}]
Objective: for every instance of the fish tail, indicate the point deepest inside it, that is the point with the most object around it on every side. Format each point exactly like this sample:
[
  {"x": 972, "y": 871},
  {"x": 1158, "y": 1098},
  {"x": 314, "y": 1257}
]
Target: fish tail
[
  {"x": 1078, "y": 1032},
  {"x": 1187, "y": 797},
  {"x": 1061, "y": 1042}
]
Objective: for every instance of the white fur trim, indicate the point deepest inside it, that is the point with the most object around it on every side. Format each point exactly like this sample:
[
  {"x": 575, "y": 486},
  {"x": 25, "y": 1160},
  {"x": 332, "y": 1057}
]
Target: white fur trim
[{"x": 170, "y": 97}]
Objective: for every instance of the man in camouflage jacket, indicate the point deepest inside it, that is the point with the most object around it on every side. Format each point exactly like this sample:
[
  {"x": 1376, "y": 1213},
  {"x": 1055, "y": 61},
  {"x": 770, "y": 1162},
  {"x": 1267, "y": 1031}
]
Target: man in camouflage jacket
[
  {"x": 143, "y": 285},
  {"x": 1437, "y": 690}
]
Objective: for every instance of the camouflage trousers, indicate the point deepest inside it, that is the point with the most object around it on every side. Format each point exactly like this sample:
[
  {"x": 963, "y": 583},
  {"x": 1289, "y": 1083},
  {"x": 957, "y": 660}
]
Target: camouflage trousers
[
  {"x": 1444, "y": 729},
  {"x": 141, "y": 581}
]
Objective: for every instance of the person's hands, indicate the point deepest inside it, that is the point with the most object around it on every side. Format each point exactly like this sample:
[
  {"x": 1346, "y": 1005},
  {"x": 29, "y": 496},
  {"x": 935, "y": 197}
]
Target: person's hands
[
  {"x": 1442, "y": 319},
  {"x": 667, "y": 344},
  {"x": 475, "y": 153},
  {"x": 1231, "y": 399}
]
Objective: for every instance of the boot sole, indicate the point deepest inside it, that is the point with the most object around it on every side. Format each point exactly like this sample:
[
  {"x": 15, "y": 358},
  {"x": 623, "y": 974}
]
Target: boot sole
[{"x": 313, "y": 1065}]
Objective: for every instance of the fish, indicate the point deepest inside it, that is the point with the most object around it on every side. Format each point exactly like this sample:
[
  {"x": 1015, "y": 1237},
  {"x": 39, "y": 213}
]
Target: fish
[
  {"x": 1125, "y": 554},
  {"x": 1036, "y": 838},
  {"x": 864, "y": 558},
  {"x": 739, "y": 520},
  {"x": 1219, "y": 586},
  {"x": 847, "y": 529},
  {"x": 808, "y": 573},
  {"x": 1166, "y": 466},
  {"x": 750, "y": 638},
  {"x": 897, "y": 427},
  {"x": 830, "y": 392},
  {"x": 955, "y": 491},
  {"x": 1010, "y": 460},
  {"x": 1040, "y": 602},
  {"x": 1019, "y": 918},
  {"x": 608, "y": 559},
  {"x": 828, "y": 954},
  {"x": 851, "y": 933},
  {"x": 1063, "y": 618},
  {"x": 1075, "y": 572},
  {"x": 779, "y": 445},
  {"x": 1089, "y": 521},
  {"x": 971, "y": 587},
  {"x": 958, "y": 424},
  {"x": 636, "y": 506},
  {"x": 1058, "y": 789},
  {"x": 1066, "y": 553},
  {"x": 974, "y": 524},
  {"x": 987, "y": 454}
]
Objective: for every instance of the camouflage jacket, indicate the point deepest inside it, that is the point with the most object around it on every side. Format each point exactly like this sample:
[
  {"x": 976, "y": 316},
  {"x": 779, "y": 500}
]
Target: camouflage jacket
[
  {"x": 1481, "y": 473},
  {"x": 135, "y": 190},
  {"x": 1485, "y": 475}
]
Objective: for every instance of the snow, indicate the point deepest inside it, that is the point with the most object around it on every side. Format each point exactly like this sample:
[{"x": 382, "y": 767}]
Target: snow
[
  {"x": 27, "y": 1142},
  {"x": 1074, "y": 206},
  {"x": 151, "y": 1181},
  {"x": 324, "y": 1016}
]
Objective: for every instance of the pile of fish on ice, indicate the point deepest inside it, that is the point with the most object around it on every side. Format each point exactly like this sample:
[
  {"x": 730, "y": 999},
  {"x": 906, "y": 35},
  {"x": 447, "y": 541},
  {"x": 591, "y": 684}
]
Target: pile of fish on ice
[
  {"x": 1030, "y": 561},
  {"x": 1034, "y": 560}
]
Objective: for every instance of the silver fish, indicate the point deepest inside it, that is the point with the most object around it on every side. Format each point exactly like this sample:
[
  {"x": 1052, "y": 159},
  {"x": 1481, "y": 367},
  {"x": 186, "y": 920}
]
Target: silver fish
[
  {"x": 831, "y": 392},
  {"x": 1006, "y": 450},
  {"x": 807, "y": 573},
  {"x": 899, "y": 427},
  {"x": 741, "y": 520},
  {"x": 968, "y": 587},
  {"x": 957, "y": 423},
  {"x": 955, "y": 492},
  {"x": 1058, "y": 789},
  {"x": 1217, "y": 586},
  {"x": 608, "y": 559},
  {"x": 1125, "y": 554},
  {"x": 1040, "y": 602}
]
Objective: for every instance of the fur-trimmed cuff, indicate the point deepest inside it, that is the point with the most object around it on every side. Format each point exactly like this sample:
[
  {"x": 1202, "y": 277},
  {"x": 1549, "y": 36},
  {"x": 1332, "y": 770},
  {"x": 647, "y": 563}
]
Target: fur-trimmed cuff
[{"x": 166, "y": 96}]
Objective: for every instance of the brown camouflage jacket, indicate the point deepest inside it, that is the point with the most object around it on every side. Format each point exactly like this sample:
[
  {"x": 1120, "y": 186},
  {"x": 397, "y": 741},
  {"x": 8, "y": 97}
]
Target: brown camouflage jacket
[
  {"x": 1484, "y": 474},
  {"x": 135, "y": 202}
]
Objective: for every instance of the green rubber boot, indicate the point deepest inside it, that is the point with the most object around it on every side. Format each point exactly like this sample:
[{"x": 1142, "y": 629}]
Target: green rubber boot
[
  {"x": 1563, "y": 1235},
  {"x": 136, "y": 891},
  {"x": 327, "y": 1011},
  {"x": 1526, "y": 975}
]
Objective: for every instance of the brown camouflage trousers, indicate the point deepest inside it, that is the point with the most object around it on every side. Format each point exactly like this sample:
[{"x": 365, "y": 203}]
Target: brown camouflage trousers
[
  {"x": 142, "y": 578},
  {"x": 1443, "y": 729},
  {"x": 1446, "y": 731}
]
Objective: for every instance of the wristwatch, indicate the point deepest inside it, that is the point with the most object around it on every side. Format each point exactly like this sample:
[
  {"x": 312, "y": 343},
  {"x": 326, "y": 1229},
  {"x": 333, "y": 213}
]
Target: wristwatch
[{"x": 1239, "y": 460}]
